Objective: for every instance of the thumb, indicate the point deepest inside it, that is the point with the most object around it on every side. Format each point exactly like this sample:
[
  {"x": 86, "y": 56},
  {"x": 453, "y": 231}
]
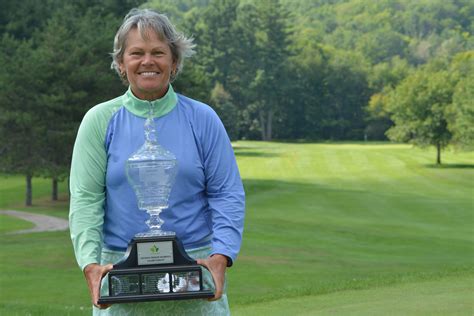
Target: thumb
[{"x": 107, "y": 268}]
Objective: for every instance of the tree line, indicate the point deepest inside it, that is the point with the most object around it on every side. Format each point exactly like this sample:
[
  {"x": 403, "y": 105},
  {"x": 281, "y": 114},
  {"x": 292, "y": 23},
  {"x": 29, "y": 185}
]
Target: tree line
[{"x": 286, "y": 70}]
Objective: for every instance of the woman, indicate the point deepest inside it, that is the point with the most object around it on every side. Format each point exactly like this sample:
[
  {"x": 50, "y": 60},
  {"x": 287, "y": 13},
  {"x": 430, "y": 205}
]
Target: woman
[{"x": 206, "y": 205}]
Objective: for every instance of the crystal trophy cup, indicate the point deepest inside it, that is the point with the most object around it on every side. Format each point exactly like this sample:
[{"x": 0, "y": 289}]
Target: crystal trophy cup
[{"x": 155, "y": 266}]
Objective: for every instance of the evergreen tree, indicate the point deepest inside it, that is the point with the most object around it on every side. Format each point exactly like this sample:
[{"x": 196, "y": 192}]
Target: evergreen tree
[
  {"x": 271, "y": 83},
  {"x": 21, "y": 122}
]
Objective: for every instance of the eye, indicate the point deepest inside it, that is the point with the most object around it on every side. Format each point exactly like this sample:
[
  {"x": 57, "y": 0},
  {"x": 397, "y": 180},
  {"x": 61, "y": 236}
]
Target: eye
[
  {"x": 158, "y": 53},
  {"x": 135, "y": 53}
]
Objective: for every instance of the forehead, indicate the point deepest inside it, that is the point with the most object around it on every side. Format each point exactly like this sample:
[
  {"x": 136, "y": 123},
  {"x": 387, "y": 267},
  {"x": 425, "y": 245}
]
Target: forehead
[{"x": 144, "y": 37}]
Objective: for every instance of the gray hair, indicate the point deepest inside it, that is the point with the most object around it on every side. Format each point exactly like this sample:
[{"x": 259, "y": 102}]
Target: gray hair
[{"x": 145, "y": 20}]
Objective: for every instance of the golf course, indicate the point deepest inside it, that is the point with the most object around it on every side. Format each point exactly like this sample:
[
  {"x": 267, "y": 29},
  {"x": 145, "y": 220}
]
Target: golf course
[{"x": 330, "y": 229}]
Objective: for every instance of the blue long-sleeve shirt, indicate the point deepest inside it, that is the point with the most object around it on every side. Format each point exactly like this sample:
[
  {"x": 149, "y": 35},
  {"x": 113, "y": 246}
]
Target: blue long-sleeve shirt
[{"x": 207, "y": 201}]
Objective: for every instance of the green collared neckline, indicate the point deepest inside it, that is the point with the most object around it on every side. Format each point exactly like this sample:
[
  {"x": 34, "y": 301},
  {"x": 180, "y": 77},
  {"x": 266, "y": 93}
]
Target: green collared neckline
[{"x": 141, "y": 107}]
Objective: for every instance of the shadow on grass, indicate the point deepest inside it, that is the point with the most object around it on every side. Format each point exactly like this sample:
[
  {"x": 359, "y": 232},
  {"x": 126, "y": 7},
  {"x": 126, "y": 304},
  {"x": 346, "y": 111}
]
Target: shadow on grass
[
  {"x": 255, "y": 187},
  {"x": 451, "y": 166},
  {"x": 331, "y": 142},
  {"x": 255, "y": 154},
  {"x": 239, "y": 147},
  {"x": 246, "y": 151}
]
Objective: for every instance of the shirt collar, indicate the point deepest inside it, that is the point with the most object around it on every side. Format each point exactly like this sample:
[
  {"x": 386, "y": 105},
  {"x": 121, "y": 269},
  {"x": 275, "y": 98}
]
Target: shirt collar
[{"x": 141, "y": 107}]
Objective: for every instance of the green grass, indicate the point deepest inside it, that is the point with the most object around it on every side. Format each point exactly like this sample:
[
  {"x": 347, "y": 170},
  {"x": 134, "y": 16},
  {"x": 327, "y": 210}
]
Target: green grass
[
  {"x": 448, "y": 296},
  {"x": 11, "y": 224},
  {"x": 13, "y": 190},
  {"x": 340, "y": 229},
  {"x": 40, "y": 276},
  {"x": 12, "y": 196},
  {"x": 323, "y": 218}
]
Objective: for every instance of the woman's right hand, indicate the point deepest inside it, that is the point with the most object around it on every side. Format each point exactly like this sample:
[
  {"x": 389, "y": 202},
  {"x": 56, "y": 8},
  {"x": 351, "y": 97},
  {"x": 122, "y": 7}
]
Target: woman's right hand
[{"x": 94, "y": 273}]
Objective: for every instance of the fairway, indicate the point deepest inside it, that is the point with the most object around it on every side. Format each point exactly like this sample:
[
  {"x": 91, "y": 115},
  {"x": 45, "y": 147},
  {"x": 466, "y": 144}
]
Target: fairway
[
  {"x": 340, "y": 229},
  {"x": 448, "y": 296}
]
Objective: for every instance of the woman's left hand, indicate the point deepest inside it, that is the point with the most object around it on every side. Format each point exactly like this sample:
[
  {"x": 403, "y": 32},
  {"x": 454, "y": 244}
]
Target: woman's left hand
[{"x": 216, "y": 264}]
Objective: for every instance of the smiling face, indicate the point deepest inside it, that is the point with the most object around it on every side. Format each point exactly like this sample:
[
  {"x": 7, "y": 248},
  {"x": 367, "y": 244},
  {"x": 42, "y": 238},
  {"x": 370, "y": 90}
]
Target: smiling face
[{"x": 148, "y": 64}]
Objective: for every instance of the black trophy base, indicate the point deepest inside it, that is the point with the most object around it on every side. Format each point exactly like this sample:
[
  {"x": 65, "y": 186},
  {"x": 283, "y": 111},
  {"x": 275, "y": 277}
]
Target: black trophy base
[
  {"x": 152, "y": 297},
  {"x": 155, "y": 268}
]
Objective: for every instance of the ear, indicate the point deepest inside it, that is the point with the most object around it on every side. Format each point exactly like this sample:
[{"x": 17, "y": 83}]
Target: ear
[
  {"x": 175, "y": 66},
  {"x": 122, "y": 68}
]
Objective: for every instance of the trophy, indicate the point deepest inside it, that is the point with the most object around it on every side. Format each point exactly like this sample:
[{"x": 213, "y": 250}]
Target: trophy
[{"x": 155, "y": 266}]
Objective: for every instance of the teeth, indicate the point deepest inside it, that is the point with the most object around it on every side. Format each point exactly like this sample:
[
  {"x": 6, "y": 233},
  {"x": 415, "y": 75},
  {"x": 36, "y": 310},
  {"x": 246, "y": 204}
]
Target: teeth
[{"x": 149, "y": 73}]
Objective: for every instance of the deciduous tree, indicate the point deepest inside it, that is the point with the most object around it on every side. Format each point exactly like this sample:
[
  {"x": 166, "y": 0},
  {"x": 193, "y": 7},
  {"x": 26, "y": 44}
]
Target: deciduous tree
[{"x": 418, "y": 106}]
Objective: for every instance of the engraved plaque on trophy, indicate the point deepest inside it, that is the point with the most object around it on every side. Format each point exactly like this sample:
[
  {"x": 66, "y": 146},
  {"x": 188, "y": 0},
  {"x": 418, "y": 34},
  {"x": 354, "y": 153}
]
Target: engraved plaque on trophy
[{"x": 155, "y": 266}]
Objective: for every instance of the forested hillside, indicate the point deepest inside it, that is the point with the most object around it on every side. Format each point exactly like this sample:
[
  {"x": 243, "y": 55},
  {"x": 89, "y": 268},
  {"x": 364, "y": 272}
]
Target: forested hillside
[{"x": 288, "y": 69}]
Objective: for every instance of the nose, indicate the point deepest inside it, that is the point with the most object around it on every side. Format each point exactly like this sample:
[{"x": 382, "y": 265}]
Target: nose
[{"x": 147, "y": 59}]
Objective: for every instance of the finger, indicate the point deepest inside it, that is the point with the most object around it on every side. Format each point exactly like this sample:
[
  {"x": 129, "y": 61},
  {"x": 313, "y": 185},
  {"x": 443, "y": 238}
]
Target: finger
[
  {"x": 97, "y": 284},
  {"x": 95, "y": 300},
  {"x": 105, "y": 270},
  {"x": 218, "y": 282},
  {"x": 102, "y": 306},
  {"x": 218, "y": 287},
  {"x": 95, "y": 295},
  {"x": 217, "y": 293}
]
